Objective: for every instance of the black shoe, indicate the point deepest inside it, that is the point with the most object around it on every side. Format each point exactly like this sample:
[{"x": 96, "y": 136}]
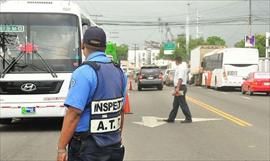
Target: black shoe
[
  {"x": 169, "y": 121},
  {"x": 186, "y": 121}
]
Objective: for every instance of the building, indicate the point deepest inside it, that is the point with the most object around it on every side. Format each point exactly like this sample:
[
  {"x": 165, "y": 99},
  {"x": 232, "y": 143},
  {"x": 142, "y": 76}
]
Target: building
[{"x": 143, "y": 57}]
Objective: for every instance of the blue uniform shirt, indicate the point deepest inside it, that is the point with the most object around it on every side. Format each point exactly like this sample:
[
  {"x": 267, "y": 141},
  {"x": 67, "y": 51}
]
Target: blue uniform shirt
[{"x": 82, "y": 87}]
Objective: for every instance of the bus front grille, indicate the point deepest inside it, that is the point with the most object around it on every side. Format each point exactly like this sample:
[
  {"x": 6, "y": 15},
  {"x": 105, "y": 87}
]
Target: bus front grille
[{"x": 30, "y": 87}]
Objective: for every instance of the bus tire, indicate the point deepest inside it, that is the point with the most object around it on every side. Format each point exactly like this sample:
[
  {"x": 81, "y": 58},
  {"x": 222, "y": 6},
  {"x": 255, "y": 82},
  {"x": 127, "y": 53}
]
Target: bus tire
[
  {"x": 5, "y": 121},
  {"x": 216, "y": 87},
  {"x": 242, "y": 90},
  {"x": 139, "y": 88},
  {"x": 250, "y": 92},
  {"x": 160, "y": 87}
]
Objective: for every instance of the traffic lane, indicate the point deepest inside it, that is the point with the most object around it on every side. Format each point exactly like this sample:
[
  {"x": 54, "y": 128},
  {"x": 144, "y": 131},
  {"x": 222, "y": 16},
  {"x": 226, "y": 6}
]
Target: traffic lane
[
  {"x": 257, "y": 97},
  {"x": 213, "y": 140},
  {"x": 30, "y": 140},
  {"x": 246, "y": 109},
  {"x": 152, "y": 102},
  {"x": 251, "y": 110},
  {"x": 196, "y": 141}
]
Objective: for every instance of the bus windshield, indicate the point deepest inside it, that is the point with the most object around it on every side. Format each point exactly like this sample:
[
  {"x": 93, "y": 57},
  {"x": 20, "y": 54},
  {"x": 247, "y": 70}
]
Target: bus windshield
[{"x": 55, "y": 38}]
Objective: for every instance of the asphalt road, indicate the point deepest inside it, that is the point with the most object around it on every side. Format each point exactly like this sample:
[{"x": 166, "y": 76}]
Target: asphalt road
[{"x": 227, "y": 126}]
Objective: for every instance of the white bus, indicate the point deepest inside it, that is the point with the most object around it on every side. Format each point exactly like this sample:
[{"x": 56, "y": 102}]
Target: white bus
[
  {"x": 227, "y": 67},
  {"x": 39, "y": 49}
]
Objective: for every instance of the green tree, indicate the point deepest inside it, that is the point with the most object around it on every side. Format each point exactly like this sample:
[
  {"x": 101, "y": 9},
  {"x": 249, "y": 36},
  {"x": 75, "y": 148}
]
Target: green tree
[
  {"x": 193, "y": 43},
  {"x": 240, "y": 44},
  {"x": 215, "y": 40},
  {"x": 259, "y": 44},
  {"x": 122, "y": 51},
  {"x": 111, "y": 50},
  {"x": 181, "y": 47}
]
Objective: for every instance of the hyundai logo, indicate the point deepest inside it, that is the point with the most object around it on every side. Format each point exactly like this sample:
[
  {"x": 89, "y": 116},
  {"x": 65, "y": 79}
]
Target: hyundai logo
[{"x": 28, "y": 87}]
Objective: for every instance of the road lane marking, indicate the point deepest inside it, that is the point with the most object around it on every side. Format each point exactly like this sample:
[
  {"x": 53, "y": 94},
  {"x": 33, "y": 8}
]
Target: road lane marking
[
  {"x": 152, "y": 121},
  {"x": 246, "y": 97},
  {"x": 219, "y": 112},
  {"x": 224, "y": 93}
]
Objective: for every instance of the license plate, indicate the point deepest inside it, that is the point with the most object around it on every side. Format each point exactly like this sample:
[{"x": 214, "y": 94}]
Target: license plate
[
  {"x": 150, "y": 77},
  {"x": 232, "y": 73},
  {"x": 28, "y": 110},
  {"x": 267, "y": 84}
]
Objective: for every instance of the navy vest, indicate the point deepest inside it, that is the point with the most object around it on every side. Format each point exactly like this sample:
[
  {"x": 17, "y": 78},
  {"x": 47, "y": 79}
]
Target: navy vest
[{"x": 107, "y": 103}]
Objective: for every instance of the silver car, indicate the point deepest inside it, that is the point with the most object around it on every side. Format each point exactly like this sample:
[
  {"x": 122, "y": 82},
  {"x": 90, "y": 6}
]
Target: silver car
[{"x": 149, "y": 77}]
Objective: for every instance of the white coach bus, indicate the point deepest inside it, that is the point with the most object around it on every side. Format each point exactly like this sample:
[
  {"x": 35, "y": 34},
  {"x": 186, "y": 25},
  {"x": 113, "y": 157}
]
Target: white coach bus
[
  {"x": 39, "y": 49},
  {"x": 227, "y": 67}
]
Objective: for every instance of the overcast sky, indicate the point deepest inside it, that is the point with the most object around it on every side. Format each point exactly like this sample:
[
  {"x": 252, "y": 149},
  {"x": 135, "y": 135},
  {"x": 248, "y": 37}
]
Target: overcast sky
[{"x": 176, "y": 11}]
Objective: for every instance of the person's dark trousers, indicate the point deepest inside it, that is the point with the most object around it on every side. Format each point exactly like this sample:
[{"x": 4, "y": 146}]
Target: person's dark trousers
[
  {"x": 180, "y": 101},
  {"x": 86, "y": 149}
]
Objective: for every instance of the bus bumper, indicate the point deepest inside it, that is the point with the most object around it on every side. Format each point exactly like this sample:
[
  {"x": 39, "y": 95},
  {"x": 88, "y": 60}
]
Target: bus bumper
[{"x": 30, "y": 111}]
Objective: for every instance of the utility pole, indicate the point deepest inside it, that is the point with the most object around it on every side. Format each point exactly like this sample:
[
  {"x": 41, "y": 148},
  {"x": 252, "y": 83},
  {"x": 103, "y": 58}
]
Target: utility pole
[
  {"x": 187, "y": 32},
  {"x": 267, "y": 52},
  {"x": 135, "y": 55},
  {"x": 160, "y": 24},
  {"x": 197, "y": 28},
  {"x": 267, "y": 44},
  {"x": 249, "y": 18}
]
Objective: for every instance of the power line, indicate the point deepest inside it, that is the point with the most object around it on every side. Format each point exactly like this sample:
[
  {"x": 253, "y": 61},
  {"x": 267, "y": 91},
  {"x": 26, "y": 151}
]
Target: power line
[{"x": 220, "y": 21}]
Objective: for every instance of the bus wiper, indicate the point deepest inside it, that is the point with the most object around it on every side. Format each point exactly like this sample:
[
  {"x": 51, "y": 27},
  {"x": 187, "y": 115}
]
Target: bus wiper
[
  {"x": 48, "y": 68},
  {"x": 26, "y": 49},
  {"x": 4, "y": 60}
]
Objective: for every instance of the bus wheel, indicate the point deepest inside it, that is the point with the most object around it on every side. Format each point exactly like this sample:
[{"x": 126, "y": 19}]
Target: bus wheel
[
  {"x": 242, "y": 90},
  {"x": 250, "y": 92},
  {"x": 216, "y": 87},
  {"x": 139, "y": 88},
  {"x": 5, "y": 121}
]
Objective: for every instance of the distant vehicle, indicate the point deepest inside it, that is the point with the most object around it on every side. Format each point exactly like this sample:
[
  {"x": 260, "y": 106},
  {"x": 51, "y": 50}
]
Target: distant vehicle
[
  {"x": 168, "y": 77},
  {"x": 227, "y": 67},
  {"x": 196, "y": 58},
  {"x": 149, "y": 77},
  {"x": 163, "y": 69},
  {"x": 40, "y": 50},
  {"x": 256, "y": 82}
]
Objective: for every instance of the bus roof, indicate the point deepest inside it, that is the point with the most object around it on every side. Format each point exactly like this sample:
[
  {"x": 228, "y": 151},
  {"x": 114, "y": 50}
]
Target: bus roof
[
  {"x": 231, "y": 50},
  {"x": 212, "y": 52}
]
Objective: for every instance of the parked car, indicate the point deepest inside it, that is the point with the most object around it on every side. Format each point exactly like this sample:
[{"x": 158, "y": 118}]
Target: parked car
[
  {"x": 150, "y": 76},
  {"x": 168, "y": 77},
  {"x": 256, "y": 82}
]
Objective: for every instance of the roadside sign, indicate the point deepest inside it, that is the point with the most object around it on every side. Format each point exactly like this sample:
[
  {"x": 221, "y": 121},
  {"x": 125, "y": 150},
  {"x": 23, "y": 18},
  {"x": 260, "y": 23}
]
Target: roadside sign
[
  {"x": 169, "y": 47},
  {"x": 11, "y": 28},
  {"x": 249, "y": 41}
]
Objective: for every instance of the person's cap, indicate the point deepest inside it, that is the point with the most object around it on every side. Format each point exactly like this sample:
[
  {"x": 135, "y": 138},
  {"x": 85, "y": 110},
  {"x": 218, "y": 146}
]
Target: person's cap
[{"x": 95, "y": 36}]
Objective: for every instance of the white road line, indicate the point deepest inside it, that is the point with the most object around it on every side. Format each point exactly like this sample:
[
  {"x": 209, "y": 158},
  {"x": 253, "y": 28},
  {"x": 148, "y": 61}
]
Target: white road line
[
  {"x": 224, "y": 93},
  {"x": 246, "y": 97}
]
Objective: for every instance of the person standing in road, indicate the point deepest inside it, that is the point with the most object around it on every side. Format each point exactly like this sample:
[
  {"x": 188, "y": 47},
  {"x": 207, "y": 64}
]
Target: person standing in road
[
  {"x": 94, "y": 119},
  {"x": 180, "y": 81}
]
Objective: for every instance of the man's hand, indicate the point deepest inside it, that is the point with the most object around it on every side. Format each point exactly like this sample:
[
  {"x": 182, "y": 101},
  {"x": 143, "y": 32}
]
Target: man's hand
[
  {"x": 71, "y": 120},
  {"x": 62, "y": 156},
  {"x": 176, "y": 92}
]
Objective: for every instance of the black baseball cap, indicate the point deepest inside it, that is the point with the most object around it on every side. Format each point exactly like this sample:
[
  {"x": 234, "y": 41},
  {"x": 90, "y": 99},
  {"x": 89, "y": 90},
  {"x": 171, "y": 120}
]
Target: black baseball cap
[{"x": 95, "y": 36}]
